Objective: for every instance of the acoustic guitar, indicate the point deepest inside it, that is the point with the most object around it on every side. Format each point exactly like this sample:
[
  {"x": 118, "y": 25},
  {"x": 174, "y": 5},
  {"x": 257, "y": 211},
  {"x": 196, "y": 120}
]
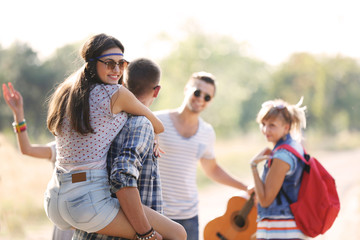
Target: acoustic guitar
[{"x": 238, "y": 222}]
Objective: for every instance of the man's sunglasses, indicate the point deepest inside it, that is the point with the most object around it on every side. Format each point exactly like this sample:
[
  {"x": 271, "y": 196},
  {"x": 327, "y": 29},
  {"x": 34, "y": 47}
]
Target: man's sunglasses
[
  {"x": 197, "y": 93},
  {"x": 111, "y": 64}
]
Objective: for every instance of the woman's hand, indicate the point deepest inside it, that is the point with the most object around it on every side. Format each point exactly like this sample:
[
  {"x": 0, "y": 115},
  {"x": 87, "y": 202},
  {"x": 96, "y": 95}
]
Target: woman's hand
[
  {"x": 157, "y": 236},
  {"x": 261, "y": 156},
  {"x": 157, "y": 149},
  {"x": 250, "y": 189},
  {"x": 14, "y": 100}
]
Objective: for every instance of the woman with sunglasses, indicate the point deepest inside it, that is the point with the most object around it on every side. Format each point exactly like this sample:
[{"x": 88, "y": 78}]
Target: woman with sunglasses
[
  {"x": 85, "y": 114},
  {"x": 281, "y": 123}
]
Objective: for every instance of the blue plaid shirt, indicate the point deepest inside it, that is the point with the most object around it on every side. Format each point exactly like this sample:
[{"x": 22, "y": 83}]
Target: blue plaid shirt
[{"x": 131, "y": 163}]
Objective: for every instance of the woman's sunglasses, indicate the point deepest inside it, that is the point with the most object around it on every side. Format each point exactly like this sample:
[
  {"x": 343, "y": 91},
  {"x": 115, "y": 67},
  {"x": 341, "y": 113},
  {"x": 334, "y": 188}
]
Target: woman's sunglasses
[
  {"x": 273, "y": 104},
  {"x": 111, "y": 64},
  {"x": 197, "y": 93}
]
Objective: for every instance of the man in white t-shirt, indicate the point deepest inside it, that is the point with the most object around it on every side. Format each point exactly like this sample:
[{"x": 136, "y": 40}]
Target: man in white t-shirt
[{"x": 186, "y": 140}]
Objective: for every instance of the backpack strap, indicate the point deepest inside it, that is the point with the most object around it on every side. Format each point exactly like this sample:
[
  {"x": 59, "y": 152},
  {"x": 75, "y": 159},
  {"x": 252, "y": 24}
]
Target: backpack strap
[
  {"x": 286, "y": 196},
  {"x": 293, "y": 151},
  {"x": 298, "y": 155}
]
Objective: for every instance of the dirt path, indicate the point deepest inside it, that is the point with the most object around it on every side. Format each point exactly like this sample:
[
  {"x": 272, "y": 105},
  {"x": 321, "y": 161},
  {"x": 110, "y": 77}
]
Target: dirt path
[{"x": 344, "y": 166}]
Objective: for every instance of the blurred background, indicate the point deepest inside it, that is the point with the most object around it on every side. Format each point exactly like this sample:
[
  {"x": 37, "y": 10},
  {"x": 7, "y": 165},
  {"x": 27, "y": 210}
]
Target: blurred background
[{"x": 257, "y": 50}]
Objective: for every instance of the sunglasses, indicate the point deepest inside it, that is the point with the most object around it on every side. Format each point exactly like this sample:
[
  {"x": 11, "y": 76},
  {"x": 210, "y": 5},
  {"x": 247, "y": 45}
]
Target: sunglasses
[
  {"x": 272, "y": 104},
  {"x": 157, "y": 86},
  {"x": 111, "y": 64},
  {"x": 197, "y": 93}
]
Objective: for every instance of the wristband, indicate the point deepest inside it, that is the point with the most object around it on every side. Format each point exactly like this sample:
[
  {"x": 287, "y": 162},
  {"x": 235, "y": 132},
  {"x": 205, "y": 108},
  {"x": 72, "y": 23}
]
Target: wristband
[
  {"x": 253, "y": 165},
  {"x": 144, "y": 237},
  {"x": 19, "y": 127}
]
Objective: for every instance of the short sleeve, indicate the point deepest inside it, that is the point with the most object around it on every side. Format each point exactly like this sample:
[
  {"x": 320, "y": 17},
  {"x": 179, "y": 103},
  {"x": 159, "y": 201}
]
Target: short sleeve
[
  {"x": 287, "y": 157},
  {"x": 100, "y": 99}
]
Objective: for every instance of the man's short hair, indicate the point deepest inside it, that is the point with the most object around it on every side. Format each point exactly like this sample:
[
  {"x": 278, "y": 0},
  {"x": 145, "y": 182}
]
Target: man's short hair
[
  {"x": 142, "y": 75},
  {"x": 203, "y": 76}
]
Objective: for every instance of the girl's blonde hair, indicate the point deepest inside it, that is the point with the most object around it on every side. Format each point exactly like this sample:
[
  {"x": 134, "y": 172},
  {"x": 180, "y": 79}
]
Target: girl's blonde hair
[{"x": 294, "y": 115}]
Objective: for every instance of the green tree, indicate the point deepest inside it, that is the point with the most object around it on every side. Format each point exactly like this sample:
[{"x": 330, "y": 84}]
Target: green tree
[
  {"x": 329, "y": 85},
  {"x": 238, "y": 76},
  {"x": 35, "y": 80},
  {"x": 342, "y": 94},
  {"x": 301, "y": 75},
  {"x": 20, "y": 65}
]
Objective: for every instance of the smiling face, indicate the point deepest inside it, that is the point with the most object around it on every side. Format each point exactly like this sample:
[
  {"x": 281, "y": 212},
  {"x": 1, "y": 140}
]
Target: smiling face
[
  {"x": 196, "y": 102},
  {"x": 106, "y": 74},
  {"x": 274, "y": 129}
]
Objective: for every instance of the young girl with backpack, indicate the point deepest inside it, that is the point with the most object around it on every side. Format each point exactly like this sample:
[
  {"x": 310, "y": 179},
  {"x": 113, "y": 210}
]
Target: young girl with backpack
[{"x": 281, "y": 123}]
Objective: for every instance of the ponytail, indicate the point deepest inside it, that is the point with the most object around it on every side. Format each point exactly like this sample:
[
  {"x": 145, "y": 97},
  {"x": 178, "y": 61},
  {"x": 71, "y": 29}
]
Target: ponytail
[{"x": 298, "y": 121}]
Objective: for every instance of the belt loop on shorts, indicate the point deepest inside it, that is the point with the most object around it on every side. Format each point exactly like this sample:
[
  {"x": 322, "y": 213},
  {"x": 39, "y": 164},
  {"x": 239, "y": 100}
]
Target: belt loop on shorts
[{"x": 78, "y": 177}]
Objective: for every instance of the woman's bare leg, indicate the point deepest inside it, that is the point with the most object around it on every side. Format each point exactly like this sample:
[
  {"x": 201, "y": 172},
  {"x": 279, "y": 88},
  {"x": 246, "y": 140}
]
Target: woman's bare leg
[
  {"x": 165, "y": 226},
  {"x": 119, "y": 227},
  {"x": 168, "y": 229}
]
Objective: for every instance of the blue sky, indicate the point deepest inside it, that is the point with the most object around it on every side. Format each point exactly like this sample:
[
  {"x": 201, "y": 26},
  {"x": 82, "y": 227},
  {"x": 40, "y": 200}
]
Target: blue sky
[{"x": 271, "y": 30}]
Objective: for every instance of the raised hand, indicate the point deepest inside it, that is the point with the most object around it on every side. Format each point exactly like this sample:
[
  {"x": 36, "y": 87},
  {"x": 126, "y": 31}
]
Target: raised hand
[{"x": 14, "y": 100}]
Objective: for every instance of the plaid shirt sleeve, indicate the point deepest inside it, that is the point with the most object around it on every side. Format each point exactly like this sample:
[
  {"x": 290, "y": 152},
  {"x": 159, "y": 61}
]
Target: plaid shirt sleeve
[{"x": 127, "y": 151}]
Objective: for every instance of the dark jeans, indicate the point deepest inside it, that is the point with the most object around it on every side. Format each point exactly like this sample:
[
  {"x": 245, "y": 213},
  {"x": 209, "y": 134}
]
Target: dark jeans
[{"x": 191, "y": 226}]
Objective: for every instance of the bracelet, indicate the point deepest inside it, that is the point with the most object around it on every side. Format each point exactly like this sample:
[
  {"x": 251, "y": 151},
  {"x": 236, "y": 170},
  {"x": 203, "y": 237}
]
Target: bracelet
[
  {"x": 142, "y": 237},
  {"x": 19, "y": 127},
  {"x": 253, "y": 165}
]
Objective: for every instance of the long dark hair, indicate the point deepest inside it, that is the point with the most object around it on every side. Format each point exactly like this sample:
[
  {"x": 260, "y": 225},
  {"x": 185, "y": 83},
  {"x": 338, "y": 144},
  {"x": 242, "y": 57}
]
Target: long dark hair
[{"x": 71, "y": 97}]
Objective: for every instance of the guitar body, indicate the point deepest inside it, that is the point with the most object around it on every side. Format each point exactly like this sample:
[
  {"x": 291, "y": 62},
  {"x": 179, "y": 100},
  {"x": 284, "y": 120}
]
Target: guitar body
[{"x": 226, "y": 228}]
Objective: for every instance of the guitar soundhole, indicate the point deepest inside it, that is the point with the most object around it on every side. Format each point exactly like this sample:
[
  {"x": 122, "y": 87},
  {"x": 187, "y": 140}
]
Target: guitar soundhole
[{"x": 239, "y": 221}]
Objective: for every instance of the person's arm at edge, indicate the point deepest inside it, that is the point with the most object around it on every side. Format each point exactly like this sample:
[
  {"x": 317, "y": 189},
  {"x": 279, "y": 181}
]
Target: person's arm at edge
[
  {"x": 15, "y": 101},
  {"x": 218, "y": 174},
  {"x": 266, "y": 192}
]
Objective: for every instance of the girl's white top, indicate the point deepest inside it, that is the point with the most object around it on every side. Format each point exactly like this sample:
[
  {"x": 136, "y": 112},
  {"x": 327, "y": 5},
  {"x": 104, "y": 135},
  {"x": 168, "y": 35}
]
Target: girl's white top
[{"x": 78, "y": 152}]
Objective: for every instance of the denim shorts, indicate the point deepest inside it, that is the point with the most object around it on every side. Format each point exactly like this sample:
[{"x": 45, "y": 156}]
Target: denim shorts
[{"x": 80, "y": 199}]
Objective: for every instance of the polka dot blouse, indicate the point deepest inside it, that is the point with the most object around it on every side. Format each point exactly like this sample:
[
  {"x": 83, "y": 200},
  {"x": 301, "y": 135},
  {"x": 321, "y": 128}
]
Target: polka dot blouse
[{"x": 78, "y": 152}]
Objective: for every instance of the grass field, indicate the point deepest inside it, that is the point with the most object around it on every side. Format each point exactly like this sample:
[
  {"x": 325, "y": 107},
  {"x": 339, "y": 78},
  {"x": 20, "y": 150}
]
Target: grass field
[{"x": 23, "y": 181}]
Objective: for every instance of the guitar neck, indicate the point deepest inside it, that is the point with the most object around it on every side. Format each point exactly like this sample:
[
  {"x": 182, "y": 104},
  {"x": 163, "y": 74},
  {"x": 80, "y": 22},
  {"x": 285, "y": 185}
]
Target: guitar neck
[{"x": 244, "y": 212}]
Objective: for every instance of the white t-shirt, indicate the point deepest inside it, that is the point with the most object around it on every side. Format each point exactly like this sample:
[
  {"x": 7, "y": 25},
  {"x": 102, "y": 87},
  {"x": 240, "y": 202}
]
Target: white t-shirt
[
  {"x": 78, "y": 152},
  {"x": 178, "y": 166}
]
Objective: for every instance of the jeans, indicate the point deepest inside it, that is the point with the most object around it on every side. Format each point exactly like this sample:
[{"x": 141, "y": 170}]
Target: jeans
[
  {"x": 191, "y": 226},
  {"x": 85, "y": 204},
  {"x": 59, "y": 234}
]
